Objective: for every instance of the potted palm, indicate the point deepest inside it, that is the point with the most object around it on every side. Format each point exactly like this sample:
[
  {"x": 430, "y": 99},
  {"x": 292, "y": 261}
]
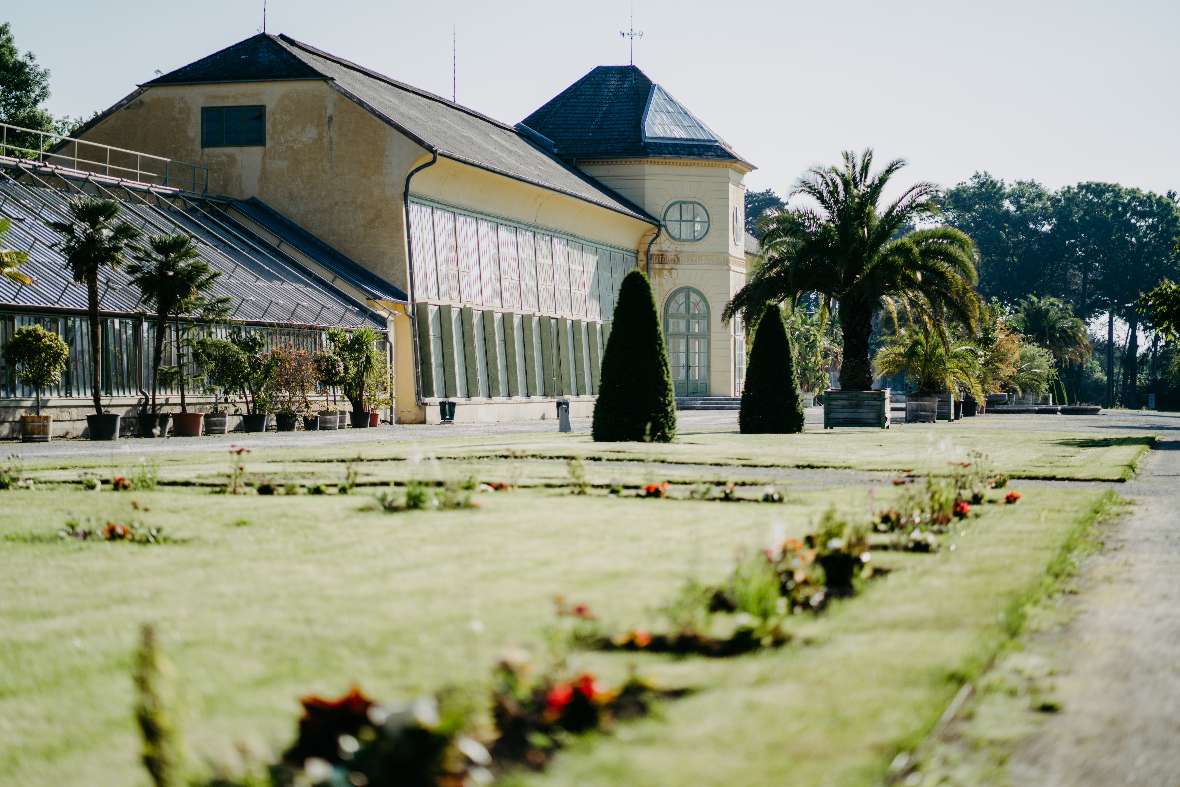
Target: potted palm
[
  {"x": 934, "y": 365},
  {"x": 11, "y": 260},
  {"x": 329, "y": 373},
  {"x": 39, "y": 357},
  {"x": 255, "y": 380},
  {"x": 377, "y": 390},
  {"x": 174, "y": 283},
  {"x": 358, "y": 352},
  {"x": 92, "y": 240},
  {"x": 859, "y": 257},
  {"x": 221, "y": 365}
]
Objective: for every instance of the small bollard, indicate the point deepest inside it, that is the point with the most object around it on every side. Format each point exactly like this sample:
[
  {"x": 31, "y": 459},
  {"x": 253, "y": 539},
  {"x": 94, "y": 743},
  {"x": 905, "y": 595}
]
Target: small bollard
[
  {"x": 446, "y": 411},
  {"x": 563, "y": 416}
]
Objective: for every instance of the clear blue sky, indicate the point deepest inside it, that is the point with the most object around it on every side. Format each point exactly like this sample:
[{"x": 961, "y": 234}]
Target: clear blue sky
[{"x": 1056, "y": 90}]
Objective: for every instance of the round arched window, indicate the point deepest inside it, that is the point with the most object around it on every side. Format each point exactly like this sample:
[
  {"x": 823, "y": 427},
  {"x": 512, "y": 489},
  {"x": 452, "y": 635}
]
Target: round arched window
[{"x": 686, "y": 220}]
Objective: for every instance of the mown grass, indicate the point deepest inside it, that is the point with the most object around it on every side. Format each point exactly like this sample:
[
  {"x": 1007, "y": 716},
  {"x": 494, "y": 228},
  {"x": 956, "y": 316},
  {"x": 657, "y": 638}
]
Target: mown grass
[{"x": 269, "y": 598}]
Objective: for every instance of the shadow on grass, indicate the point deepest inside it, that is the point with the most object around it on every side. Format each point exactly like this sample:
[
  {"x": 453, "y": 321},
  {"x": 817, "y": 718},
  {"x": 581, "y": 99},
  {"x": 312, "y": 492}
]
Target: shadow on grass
[{"x": 1106, "y": 442}]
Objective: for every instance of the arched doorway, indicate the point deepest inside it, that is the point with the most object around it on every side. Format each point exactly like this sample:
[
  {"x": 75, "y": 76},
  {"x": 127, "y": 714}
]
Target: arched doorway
[{"x": 686, "y": 324}]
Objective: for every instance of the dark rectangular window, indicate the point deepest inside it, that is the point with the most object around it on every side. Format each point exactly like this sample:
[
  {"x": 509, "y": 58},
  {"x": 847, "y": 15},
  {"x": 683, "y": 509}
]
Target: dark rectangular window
[{"x": 233, "y": 126}]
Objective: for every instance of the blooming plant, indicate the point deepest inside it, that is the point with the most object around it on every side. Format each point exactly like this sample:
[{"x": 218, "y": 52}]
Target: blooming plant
[
  {"x": 1012, "y": 497},
  {"x": 120, "y": 484},
  {"x": 577, "y": 472},
  {"x": 962, "y": 509},
  {"x": 237, "y": 470},
  {"x": 655, "y": 490},
  {"x": 130, "y": 532}
]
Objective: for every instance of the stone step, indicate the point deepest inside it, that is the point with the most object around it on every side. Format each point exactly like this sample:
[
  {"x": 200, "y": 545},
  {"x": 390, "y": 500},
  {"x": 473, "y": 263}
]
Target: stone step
[{"x": 708, "y": 403}]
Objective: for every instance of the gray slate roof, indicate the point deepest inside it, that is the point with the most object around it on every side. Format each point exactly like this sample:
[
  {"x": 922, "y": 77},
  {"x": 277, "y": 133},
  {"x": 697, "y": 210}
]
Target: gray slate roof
[
  {"x": 439, "y": 125},
  {"x": 619, "y": 112},
  {"x": 264, "y": 285}
]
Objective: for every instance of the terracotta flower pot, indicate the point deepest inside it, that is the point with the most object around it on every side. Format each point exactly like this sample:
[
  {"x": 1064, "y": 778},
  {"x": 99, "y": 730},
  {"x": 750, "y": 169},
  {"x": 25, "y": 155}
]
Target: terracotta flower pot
[
  {"x": 188, "y": 424},
  {"x": 104, "y": 427},
  {"x": 36, "y": 428},
  {"x": 374, "y": 418}
]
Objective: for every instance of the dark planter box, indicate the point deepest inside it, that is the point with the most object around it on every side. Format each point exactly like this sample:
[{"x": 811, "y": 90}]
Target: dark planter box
[
  {"x": 104, "y": 427},
  {"x": 216, "y": 423},
  {"x": 360, "y": 420},
  {"x": 958, "y": 409},
  {"x": 970, "y": 407},
  {"x": 255, "y": 423},
  {"x": 285, "y": 422},
  {"x": 921, "y": 409},
  {"x": 152, "y": 424},
  {"x": 311, "y": 423},
  {"x": 856, "y": 408}
]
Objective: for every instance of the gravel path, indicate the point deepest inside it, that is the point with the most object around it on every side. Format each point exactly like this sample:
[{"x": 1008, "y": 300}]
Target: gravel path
[{"x": 1118, "y": 675}]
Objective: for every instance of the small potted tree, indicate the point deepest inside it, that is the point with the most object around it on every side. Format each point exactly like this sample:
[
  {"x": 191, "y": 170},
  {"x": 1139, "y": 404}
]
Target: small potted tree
[
  {"x": 293, "y": 374},
  {"x": 39, "y": 357},
  {"x": 221, "y": 365},
  {"x": 934, "y": 366},
  {"x": 94, "y": 239},
  {"x": 174, "y": 283},
  {"x": 329, "y": 373},
  {"x": 255, "y": 380},
  {"x": 377, "y": 390},
  {"x": 358, "y": 352}
]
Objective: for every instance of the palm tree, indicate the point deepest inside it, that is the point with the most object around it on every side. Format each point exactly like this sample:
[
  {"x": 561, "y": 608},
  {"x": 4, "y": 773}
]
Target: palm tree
[
  {"x": 173, "y": 282},
  {"x": 1050, "y": 322},
  {"x": 933, "y": 364},
  {"x": 863, "y": 258},
  {"x": 11, "y": 259},
  {"x": 94, "y": 240}
]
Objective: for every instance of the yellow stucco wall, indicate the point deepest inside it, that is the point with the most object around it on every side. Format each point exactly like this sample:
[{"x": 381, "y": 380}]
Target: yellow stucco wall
[
  {"x": 714, "y": 265},
  {"x": 327, "y": 164}
]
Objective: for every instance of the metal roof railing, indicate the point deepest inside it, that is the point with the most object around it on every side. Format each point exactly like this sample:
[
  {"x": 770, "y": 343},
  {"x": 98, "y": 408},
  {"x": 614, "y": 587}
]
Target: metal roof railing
[{"x": 85, "y": 156}]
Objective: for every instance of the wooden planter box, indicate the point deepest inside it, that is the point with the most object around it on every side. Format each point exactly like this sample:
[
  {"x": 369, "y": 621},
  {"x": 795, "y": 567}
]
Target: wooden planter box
[
  {"x": 946, "y": 407},
  {"x": 921, "y": 409},
  {"x": 856, "y": 408}
]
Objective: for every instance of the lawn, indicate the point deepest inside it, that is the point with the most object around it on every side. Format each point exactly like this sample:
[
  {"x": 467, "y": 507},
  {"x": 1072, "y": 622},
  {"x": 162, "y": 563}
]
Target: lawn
[{"x": 264, "y": 599}]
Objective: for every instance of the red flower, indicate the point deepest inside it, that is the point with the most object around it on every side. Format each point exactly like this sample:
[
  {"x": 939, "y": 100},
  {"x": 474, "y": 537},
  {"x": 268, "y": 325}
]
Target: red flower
[
  {"x": 962, "y": 509},
  {"x": 655, "y": 490},
  {"x": 587, "y": 686},
  {"x": 558, "y": 698},
  {"x": 641, "y": 638},
  {"x": 1012, "y": 497},
  {"x": 120, "y": 484},
  {"x": 238, "y": 450},
  {"x": 324, "y": 721},
  {"x": 582, "y": 611}
]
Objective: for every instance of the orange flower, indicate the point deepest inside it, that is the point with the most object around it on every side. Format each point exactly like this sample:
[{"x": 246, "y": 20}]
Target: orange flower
[
  {"x": 115, "y": 532},
  {"x": 641, "y": 638},
  {"x": 962, "y": 509},
  {"x": 238, "y": 450},
  {"x": 582, "y": 611},
  {"x": 1012, "y": 497},
  {"x": 120, "y": 484},
  {"x": 655, "y": 490}
]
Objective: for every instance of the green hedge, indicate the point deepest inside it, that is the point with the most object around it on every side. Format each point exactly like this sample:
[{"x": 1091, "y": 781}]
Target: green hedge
[
  {"x": 770, "y": 399},
  {"x": 636, "y": 400}
]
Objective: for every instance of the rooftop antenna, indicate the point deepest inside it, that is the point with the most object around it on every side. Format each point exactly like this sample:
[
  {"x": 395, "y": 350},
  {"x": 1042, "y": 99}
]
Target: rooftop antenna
[
  {"x": 263, "y": 16},
  {"x": 454, "y": 67},
  {"x": 632, "y": 34}
]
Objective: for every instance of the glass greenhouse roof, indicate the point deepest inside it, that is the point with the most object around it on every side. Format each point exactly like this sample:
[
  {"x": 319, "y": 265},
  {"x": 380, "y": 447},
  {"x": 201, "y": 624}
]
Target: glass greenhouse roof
[{"x": 665, "y": 118}]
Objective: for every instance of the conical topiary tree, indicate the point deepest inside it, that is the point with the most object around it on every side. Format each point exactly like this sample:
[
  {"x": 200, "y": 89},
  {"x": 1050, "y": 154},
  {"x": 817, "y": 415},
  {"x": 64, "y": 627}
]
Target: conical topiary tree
[
  {"x": 770, "y": 399},
  {"x": 636, "y": 400}
]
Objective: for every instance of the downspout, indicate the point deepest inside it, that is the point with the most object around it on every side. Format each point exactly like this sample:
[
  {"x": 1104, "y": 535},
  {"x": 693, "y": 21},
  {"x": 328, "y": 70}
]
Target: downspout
[
  {"x": 410, "y": 277},
  {"x": 650, "y": 243}
]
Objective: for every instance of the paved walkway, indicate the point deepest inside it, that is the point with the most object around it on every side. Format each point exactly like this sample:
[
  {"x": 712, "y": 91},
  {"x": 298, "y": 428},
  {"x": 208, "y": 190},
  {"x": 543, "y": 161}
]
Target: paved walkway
[{"x": 1118, "y": 660}]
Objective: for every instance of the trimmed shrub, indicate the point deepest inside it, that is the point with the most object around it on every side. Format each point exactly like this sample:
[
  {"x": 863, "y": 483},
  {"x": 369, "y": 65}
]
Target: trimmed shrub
[
  {"x": 636, "y": 400},
  {"x": 770, "y": 399}
]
